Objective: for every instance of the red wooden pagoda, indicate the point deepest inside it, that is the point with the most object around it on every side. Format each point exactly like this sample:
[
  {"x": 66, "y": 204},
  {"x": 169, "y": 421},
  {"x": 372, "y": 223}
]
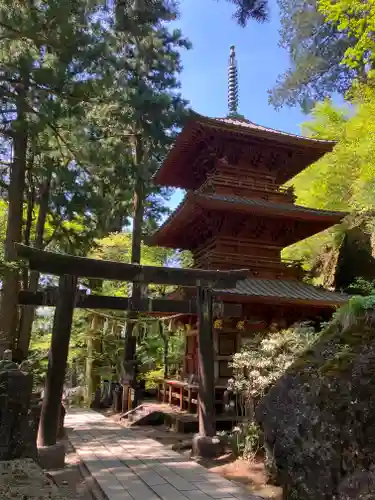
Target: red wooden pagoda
[{"x": 236, "y": 214}]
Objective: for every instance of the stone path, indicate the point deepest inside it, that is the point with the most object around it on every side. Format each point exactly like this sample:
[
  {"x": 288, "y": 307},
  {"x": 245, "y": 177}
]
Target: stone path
[{"x": 128, "y": 465}]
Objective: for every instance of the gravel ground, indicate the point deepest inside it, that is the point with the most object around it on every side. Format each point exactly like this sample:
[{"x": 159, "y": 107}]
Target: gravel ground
[{"x": 24, "y": 480}]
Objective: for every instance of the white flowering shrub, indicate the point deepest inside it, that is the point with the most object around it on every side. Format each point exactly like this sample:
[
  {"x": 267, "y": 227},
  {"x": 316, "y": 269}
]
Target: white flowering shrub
[
  {"x": 266, "y": 357},
  {"x": 256, "y": 368}
]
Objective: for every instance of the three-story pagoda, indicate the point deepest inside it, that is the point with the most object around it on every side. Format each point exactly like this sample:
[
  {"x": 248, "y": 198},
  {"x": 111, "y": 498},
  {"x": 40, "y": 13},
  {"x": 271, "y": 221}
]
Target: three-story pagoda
[{"x": 236, "y": 214}]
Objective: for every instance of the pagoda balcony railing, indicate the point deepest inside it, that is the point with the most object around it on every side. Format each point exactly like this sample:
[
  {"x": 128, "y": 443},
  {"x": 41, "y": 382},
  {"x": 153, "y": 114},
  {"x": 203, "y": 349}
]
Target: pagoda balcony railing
[
  {"x": 248, "y": 188},
  {"x": 261, "y": 267}
]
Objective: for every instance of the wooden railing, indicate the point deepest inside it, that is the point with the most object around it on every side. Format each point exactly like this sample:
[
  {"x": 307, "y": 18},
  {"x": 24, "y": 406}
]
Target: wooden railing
[
  {"x": 257, "y": 266},
  {"x": 185, "y": 396},
  {"x": 240, "y": 186}
]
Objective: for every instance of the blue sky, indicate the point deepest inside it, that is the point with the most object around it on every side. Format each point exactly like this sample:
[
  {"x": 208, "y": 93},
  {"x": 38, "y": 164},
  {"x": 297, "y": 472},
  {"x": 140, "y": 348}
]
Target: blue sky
[{"x": 210, "y": 27}]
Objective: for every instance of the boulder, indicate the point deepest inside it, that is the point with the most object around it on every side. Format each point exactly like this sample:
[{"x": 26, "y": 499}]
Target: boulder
[
  {"x": 318, "y": 420},
  {"x": 359, "y": 485},
  {"x": 351, "y": 253}
]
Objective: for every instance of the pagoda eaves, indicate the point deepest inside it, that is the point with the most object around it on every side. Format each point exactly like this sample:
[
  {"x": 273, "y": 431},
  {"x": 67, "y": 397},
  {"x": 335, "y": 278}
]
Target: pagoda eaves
[
  {"x": 204, "y": 141},
  {"x": 271, "y": 291},
  {"x": 201, "y": 216},
  {"x": 237, "y": 212}
]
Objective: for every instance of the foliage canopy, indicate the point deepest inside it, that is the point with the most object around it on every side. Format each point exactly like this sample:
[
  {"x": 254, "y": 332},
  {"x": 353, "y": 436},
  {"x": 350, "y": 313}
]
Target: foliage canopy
[{"x": 356, "y": 19}]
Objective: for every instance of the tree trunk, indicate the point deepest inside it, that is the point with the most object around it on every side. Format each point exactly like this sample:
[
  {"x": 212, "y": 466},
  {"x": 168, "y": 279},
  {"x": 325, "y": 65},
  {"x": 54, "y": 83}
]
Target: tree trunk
[
  {"x": 138, "y": 203},
  {"x": 89, "y": 360},
  {"x": 74, "y": 374},
  {"x": 28, "y": 312},
  {"x": 93, "y": 349},
  {"x": 165, "y": 350},
  {"x": 29, "y": 220},
  {"x": 129, "y": 359},
  {"x": 9, "y": 299}
]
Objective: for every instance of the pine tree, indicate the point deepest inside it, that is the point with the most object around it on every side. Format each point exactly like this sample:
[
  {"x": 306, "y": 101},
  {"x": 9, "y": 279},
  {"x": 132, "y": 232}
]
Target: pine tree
[
  {"x": 89, "y": 106},
  {"x": 316, "y": 49},
  {"x": 48, "y": 54},
  {"x": 151, "y": 110},
  {"x": 250, "y": 9}
]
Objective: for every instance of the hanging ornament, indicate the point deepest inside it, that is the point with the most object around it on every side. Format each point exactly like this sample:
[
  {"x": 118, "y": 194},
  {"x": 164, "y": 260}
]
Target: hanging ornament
[
  {"x": 123, "y": 331},
  {"x": 218, "y": 324}
]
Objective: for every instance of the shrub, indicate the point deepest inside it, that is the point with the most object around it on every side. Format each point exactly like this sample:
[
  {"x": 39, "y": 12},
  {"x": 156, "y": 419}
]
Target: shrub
[
  {"x": 151, "y": 378},
  {"x": 246, "y": 440},
  {"x": 266, "y": 357},
  {"x": 255, "y": 369}
]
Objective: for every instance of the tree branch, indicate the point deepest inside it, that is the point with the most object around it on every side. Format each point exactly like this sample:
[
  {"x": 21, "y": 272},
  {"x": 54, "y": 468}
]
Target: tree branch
[{"x": 39, "y": 41}]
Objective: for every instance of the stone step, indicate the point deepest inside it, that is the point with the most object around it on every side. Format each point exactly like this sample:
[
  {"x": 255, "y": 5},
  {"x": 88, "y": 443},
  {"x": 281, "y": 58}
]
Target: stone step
[{"x": 146, "y": 416}]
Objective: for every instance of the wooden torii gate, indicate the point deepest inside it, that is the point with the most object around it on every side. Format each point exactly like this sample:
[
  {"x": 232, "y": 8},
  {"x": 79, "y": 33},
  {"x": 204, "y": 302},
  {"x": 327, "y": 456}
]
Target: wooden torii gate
[{"x": 69, "y": 268}]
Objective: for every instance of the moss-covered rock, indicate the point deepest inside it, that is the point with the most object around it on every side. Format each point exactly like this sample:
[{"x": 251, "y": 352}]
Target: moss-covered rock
[
  {"x": 349, "y": 255},
  {"x": 359, "y": 485},
  {"x": 319, "y": 418}
]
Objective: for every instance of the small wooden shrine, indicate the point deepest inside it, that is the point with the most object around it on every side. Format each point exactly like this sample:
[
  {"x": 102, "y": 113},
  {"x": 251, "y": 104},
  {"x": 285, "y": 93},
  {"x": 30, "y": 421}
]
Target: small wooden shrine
[{"x": 236, "y": 214}]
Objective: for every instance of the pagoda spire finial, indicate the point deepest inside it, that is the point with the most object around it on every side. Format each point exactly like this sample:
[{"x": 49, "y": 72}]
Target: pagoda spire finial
[{"x": 232, "y": 83}]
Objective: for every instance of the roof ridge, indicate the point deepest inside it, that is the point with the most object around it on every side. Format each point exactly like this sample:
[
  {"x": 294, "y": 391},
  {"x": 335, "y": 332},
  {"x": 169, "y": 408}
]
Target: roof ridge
[{"x": 242, "y": 122}]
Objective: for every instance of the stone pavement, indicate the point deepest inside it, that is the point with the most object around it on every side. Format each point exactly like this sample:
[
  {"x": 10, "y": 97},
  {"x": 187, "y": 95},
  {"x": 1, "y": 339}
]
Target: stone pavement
[{"x": 128, "y": 465}]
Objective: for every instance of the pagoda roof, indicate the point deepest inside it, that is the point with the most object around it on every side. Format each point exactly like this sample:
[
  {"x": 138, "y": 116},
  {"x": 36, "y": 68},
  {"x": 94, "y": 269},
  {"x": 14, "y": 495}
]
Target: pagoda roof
[
  {"x": 176, "y": 170},
  {"x": 247, "y": 124},
  {"x": 273, "y": 291},
  {"x": 284, "y": 290},
  {"x": 195, "y": 204},
  {"x": 283, "y": 209}
]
